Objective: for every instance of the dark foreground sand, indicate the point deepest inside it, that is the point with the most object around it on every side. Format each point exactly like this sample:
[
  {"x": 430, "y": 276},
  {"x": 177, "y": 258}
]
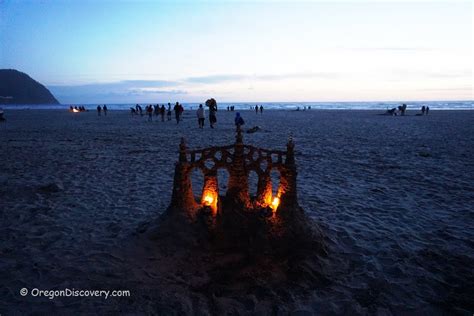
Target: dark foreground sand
[{"x": 394, "y": 197}]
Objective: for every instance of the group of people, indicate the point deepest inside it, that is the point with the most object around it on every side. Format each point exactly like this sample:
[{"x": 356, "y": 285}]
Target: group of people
[
  {"x": 102, "y": 108},
  {"x": 77, "y": 108},
  {"x": 257, "y": 109},
  {"x": 212, "y": 105},
  {"x": 425, "y": 110},
  {"x": 304, "y": 108},
  {"x": 157, "y": 110},
  {"x": 160, "y": 110},
  {"x": 403, "y": 108}
]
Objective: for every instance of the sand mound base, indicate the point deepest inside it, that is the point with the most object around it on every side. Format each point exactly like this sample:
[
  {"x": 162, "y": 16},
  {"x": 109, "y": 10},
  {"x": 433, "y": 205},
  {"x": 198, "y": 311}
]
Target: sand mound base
[{"x": 242, "y": 262}]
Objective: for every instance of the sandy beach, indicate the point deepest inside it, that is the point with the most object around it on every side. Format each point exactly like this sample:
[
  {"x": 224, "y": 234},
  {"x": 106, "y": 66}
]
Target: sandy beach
[{"x": 393, "y": 195}]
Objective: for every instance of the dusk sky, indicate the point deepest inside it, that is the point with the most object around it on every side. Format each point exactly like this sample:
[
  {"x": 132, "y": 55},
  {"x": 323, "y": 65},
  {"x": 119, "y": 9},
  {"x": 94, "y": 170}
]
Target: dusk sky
[{"x": 144, "y": 51}]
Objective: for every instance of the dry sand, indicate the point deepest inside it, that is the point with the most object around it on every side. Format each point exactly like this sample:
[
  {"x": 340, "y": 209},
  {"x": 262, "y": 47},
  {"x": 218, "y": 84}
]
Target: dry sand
[{"x": 393, "y": 195}]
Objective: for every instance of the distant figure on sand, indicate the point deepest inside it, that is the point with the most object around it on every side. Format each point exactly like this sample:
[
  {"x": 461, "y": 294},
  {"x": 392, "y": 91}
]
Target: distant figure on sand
[
  {"x": 162, "y": 112},
  {"x": 402, "y": 109},
  {"x": 2, "y": 119},
  {"x": 178, "y": 109},
  {"x": 168, "y": 114},
  {"x": 99, "y": 109},
  {"x": 104, "y": 108},
  {"x": 149, "y": 111},
  {"x": 427, "y": 109},
  {"x": 253, "y": 129},
  {"x": 201, "y": 116},
  {"x": 423, "y": 109},
  {"x": 239, "y": 121},
  {"x": 139, "y": 109},
  {"x": 261, "y": 109},
  {"x": 256, "y": 109},
  {"x": 212, "y": 105}
]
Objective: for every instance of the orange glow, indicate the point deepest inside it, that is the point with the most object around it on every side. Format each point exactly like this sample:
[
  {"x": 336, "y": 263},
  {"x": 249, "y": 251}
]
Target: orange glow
[
  {"x": 75, "y": 110},
  {"x": 268, "y": 199},
  {"x": 275, "y": 203},
  {"x": 210, "y": 199}
]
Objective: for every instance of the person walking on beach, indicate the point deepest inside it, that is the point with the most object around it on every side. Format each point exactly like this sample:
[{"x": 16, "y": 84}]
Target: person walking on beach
[
  {"x": 169, "y": 112},
  {"x": 99, "y": 109},
  {"x": 177, "y": 112},
  {"x": 239, "y": 121},
  {"x": 212, "y": 104},
  {"x": 427, "y": 109},
  {"x": 104, "y": 108},
  {"x": 139, "y": 109},
  {"x": 201, "y": 116},
  {"x": 423, "y": 109},
  {"x": 261, "y": 109},
  {"x": 162, "y": 112},
  {"x": 149, "y": 111},
  {"x": 256, "y": 109}
]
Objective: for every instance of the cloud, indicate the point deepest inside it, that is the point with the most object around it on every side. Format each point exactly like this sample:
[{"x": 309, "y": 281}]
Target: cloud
[
  {"x": 216, "y": 78},
  {"x": 156, "y": 91},
  {"x": 116, "y": 92},
  {"x": 213, "y": 79}
]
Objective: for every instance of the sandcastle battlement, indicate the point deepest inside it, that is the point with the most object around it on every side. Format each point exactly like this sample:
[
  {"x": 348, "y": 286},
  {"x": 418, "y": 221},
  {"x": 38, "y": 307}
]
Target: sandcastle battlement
[{"x": 239, "y": 160}]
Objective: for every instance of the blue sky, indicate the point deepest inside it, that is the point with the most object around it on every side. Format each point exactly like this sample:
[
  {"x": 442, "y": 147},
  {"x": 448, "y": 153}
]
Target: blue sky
[{"x": 144, "y": 51}]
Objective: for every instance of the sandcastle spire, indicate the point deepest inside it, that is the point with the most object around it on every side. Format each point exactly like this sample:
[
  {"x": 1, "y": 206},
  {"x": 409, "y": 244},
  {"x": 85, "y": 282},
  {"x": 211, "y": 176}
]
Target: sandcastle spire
[{"x": 238, "y": 136}]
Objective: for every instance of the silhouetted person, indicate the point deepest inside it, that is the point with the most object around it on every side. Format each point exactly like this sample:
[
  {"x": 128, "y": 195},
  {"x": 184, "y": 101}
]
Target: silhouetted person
[
  {"x": 177, "y": 112},
  {"x": 149, "y": 111},
  {"x": 156, "y": 109},
  {"x": 99, "y": 109},
  {"x": 201, "y": 116},
  {"x": 2, "y": 119},
  {"x": 212, "y": 105},
  {"x": 133, "y": 111},
  {"x": 256, "y": 109},
  {"x": 162, "y": 112},
  {"x": 239, "y": 121},
  {"x": 139, "y": 109},
  {"x": 168, "y": 114},
  {"x": 104, "y": 108},
  {"x": 423, "y": 109},
  {"x": 427, "y": 110},
  {"x": 261, "y": 109}
]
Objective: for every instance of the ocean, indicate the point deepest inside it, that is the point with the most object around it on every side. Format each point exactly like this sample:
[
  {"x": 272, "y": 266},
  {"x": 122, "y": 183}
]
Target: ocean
[{"x": 375, "y": 105}]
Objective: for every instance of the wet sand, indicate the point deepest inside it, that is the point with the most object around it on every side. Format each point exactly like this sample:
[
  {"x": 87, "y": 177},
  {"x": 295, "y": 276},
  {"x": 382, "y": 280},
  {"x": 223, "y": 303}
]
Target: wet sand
[{"x": 393, "y": 195}]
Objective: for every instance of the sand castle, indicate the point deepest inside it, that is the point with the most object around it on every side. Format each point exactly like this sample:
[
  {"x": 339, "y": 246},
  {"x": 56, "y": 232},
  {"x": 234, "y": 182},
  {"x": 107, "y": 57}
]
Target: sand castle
[
  {"x": 239, "y": 160},
  {"x": 269, "y": 222}
]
